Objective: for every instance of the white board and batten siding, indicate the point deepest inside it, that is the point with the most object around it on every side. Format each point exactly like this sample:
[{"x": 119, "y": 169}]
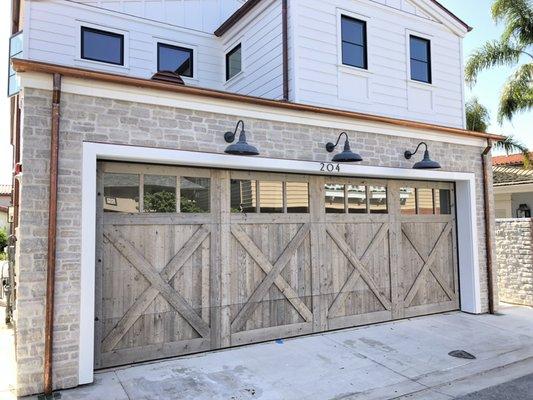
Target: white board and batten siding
[
  {"x": 261, "y": 36},
  {"x": 385, "y": 88},
  {"x": 59, "y": 43}
]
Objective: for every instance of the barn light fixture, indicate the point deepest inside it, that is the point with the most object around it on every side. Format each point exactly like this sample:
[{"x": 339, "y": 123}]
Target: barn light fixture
[
  {"x": 241, "y": 148},
  {"x": 426, "y": 163},
  {"x": 347, "y": 154}
]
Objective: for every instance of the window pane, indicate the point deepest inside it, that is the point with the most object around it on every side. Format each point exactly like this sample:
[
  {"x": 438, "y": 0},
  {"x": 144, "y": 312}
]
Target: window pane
[
  {"x": 419, "y": 49},
  {"x": 102, "y": 46},
  {"x": 425, "y": 201},
  {"x": 378, "y": 199},
  {"x": 297, "y": 197},
  {"x": 121, "y": 193},
  {"x": 243, "y": 196},
  {"x": 195, "y": 195},
  {"x": 233, "y": 62},
  {"x": 357, "y": 199},
  {"x": 419, "y": 71},
  {"x": 175, "y": 59},
  {"x": 334, "y": 199},
  {"x": 159, "y": 194},
  {"x": 353, "y": 55},
  {"x": 443, "y": 203},
  {"x": 408, "y": 200},
  {"x": 271, "y": 197},
  {"x": 353, "y": 31}
]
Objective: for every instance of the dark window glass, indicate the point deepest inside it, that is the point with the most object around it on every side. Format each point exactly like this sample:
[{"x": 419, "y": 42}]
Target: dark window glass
[
  {"x": 175, "y": 59},
  {"x": 102, "y": 46},
  {"x": 353, "y": 42},
  {"x": 243, "y": 196},
  {"x": 443, "y": 202},
  {"x": 233, "y": 62},
  {"x": 420, "y": 59}
]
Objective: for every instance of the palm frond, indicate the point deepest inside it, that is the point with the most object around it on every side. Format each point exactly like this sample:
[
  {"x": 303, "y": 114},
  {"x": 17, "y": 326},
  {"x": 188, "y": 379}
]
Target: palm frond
[
  {"x": 510, "y": 145},
  {"x": 517, "y": 94},
  {"x": 518, "y": 18},
  {"x": 477, "y": 116},
  {"x": 491, "y": 54}
]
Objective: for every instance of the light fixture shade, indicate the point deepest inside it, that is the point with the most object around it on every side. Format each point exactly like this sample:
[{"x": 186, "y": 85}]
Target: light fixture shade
[
  {"x": 242, "y": 148},
  {"x": 427, "y": 163}
]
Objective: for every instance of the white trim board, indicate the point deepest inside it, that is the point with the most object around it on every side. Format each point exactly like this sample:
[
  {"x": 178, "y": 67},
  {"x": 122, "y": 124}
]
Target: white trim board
[
  {"x": 466, "y": 216},
  {"x": 238, "y": 109}
]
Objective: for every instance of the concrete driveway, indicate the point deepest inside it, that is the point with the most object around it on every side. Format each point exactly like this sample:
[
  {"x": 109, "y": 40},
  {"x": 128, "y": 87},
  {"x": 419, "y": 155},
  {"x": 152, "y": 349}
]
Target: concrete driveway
[{"x": 406, "y": 359}]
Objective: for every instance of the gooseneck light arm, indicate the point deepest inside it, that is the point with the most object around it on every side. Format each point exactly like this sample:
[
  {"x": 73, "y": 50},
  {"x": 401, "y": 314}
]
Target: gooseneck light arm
[
  {"x": 229, "y": 137},
  {"x": 408, "y": 154},
  {"x": 330, "y": 146}
]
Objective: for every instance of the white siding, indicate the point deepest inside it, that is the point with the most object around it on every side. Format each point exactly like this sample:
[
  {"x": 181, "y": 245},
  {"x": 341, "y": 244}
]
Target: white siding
[
  {"x": 385, "y": 89},
  {"x": 202, "y": 15},
  {"x": 260, "y": 34},
  {"x": 53, "y": 42}
]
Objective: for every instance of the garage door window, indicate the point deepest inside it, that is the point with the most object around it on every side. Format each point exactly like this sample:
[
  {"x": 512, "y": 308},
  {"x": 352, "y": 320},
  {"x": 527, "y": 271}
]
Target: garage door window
[
  {"x": 271, "y": 197},
  {"x": 425, "y": 201},
  {"x": 159, "y": 194},
  {"x": 408, "y": 200},
  {"x": 357, "y": 199},
  {"x": 378, "y": 199},
  {"x": 195, "y": 195},
  {"x": 335, "y": 199},
  {"x": 443, "y": 202},
  {"x": 297, "y": 195},
  {"x": 121, "y": 193}
]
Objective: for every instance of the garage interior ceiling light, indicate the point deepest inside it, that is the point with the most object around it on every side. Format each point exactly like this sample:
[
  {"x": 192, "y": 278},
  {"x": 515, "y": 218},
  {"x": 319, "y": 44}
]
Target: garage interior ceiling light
[
  {"x": 426, "y": 163},
  {"x": 347, "y": 154},
  {"x": 241, "y": 148}
]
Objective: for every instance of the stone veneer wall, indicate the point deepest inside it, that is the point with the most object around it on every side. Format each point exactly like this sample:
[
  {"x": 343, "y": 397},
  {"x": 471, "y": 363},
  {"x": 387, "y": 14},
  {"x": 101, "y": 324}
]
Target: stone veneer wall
[
  {"x": 85, "y": 118},
  {"x": 514, "y": 251}
]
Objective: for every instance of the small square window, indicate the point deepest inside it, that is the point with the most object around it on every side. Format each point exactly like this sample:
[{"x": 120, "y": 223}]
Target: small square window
[
  {"x": 443, "y": 202},
  {"x": 159, "y": 194},
  {"x": 420, "y": 59},
  {"x": 425, "y": 201},
  {"x": 103, "y": 46},
  {"x": 378, "y": 199},
  {"x": 121, "y": 193},
  {"x": 354, "y": 45},
  {"x": 195, "y": 195},
  {"x": 357, "y": 199},
  {"x": 243, "y": 196},
  {"x": 234, "y": 62},
  {"x": 297, "y": 194},
  {"x": 408, "y": 200},
  {"x": 270, "y": 197},
  {"x": 178, "y": 60}
]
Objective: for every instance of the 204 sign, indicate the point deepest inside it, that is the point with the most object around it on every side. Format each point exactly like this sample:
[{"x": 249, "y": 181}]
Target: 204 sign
[{"x": 329, "y": 167}]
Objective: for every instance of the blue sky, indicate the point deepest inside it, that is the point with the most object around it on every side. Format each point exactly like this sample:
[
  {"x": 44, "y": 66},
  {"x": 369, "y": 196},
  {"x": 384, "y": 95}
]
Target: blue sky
[{"x": 475, "y": 12}]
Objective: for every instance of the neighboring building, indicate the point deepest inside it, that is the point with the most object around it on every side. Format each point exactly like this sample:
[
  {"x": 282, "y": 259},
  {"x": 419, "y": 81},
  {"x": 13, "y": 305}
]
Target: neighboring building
[
  {"x": 513, "y": 187},
  {"x": 168, "y": 245},
  {"x": 5, "y": 202}
]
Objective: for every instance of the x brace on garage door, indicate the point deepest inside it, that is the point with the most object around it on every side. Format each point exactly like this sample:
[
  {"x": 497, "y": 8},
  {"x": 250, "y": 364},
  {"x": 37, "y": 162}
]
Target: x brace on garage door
[{"x": 465, "y": 190}]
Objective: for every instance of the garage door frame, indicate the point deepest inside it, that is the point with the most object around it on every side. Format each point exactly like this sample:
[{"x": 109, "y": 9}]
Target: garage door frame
[{"x": 92, "y": 152}]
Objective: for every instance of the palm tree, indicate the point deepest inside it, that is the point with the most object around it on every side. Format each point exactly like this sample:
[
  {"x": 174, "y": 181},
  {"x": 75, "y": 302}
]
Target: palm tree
[
  {"x": 514, "y": 48},
  {"x": 478, "y": 119}
]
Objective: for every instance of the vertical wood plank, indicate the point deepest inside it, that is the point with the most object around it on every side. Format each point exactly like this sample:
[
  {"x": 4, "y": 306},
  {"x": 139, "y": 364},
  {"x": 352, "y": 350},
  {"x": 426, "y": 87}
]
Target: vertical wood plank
[
  {"x": 98, "y": 290},
  {"x": 395, "y": 248}
]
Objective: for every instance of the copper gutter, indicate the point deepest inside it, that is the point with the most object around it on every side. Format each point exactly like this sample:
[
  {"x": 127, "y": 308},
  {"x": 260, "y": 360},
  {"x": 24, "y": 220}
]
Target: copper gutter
[
  {"x": 285, "y": 35},
  {"x": 52, "y": 233},
  {"x": 488, "y": 225},
  {"x": 21, "y": 66}
]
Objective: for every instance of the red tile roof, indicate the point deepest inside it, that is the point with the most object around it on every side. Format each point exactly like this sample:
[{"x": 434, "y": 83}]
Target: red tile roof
[
  {"x": 513, "y": 159},
  {"x": 5, "y": 190}
]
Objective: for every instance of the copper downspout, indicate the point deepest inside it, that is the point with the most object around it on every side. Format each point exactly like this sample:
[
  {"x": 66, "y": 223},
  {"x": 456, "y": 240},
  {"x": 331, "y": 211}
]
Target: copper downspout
[
  {"x": 52, "y": 230},
  {"x": 285, "y": 17},
  {"x": 488, "y": 226}
]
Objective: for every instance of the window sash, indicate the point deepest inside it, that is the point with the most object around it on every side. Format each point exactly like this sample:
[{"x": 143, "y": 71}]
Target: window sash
[
  {"x": 190, "y": 52},
  {"x": 363, "y": 44},
  {"x": 85, "y": 29},
  {"x": 414, "y": 59},
  {"x": 229, "y": 73}
]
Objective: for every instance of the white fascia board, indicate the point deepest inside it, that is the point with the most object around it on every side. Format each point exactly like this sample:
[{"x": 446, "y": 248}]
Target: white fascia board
[
  {"x": 238, "y": 109},
  {"x": 442, "y": 16},
  {"x": 520, "y": 188}
]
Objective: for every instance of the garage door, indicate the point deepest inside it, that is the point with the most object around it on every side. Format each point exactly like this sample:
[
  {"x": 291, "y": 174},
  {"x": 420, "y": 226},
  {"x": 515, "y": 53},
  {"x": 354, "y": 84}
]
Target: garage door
[{"x": 191, "y": 260}]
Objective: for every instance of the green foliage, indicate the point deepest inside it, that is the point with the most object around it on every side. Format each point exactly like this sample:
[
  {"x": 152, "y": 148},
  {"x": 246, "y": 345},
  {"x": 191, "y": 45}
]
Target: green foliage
[
  {"x": 3, "y": 239},
  {"x": 189, "y": 206},
  {"x": 477, "y": 116},
  {"x": 515, "y": 46},
  {"x": 160, "y": 202}
]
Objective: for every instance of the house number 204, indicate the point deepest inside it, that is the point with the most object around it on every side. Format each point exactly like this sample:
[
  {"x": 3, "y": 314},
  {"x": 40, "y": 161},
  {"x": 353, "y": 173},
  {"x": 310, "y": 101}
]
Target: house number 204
[{"x": 328, "y": 167}]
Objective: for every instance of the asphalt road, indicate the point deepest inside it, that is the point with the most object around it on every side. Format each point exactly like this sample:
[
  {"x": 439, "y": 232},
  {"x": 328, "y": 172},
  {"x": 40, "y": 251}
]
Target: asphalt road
[{"x": 519, "y": 389}]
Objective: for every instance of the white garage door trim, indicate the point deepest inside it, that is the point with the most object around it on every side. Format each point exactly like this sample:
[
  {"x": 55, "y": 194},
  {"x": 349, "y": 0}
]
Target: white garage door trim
[{"x": 466, "y": 215}]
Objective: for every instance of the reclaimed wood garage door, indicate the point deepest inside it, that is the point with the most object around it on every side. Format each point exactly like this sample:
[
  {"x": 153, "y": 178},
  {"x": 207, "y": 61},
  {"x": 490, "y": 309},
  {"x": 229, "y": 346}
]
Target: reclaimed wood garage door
[{"x": 190, "y": 260}]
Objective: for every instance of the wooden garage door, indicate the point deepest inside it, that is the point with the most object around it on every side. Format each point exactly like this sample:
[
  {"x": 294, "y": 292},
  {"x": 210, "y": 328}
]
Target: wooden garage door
[{"x": 196, "y": 259}]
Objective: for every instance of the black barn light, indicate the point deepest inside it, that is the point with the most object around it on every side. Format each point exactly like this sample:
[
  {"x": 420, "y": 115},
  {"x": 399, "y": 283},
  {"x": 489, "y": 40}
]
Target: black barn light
[
  {"x": 426, "y": 163},
  {"x": 241, "y": 148},
  {"x": 347, "y": 154}
]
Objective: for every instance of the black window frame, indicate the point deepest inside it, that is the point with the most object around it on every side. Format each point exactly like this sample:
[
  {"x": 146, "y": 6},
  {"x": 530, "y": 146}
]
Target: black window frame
[
  {"x": 174, "y": 47},
  {"x": 106, "y": 33},
  {"x": 228, "y": 55},
  {"x": 364, "y": 45},
  {"x": 428, "y": 62}
]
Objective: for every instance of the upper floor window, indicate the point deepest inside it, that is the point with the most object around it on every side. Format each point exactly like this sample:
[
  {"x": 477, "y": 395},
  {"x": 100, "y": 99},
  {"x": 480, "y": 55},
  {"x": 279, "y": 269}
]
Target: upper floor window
[
  {"x": 175, "y": 59},
  {"x": 103, "y": 46},
  {"x": 234, "y": 62},
  {"x": 15, "y": 50},
  {"x": 354, "y": 52},
  {"x": 420, "y": 53}
]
